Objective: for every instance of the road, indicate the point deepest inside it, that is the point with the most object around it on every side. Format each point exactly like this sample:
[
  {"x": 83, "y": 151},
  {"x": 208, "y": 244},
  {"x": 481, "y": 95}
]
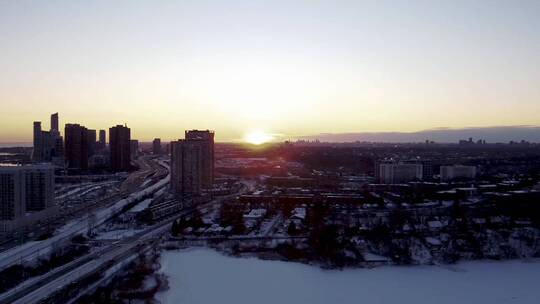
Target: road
[
  {"x": 50, "y": 283},
  {"x": 44, "y": 286},
  {"x": 32, "y": 250},
  {"x": 117, "y": 252}
]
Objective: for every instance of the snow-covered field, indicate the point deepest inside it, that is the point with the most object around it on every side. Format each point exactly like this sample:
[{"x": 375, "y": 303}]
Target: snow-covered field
[{"x": 206, "y": 276}]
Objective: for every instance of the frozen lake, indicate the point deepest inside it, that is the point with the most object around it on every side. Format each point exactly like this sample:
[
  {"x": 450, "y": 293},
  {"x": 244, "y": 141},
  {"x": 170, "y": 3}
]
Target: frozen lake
[{"x": 205, "y": 276}]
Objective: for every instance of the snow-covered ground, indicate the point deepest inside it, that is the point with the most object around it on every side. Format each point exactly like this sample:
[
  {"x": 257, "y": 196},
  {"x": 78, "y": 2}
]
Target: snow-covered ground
[
  {"x": 118, "y": 234},
  {"x": 206, "y": 276},
  {"x": 36, "y": 249},
  {"x": 141, "y": 206}
]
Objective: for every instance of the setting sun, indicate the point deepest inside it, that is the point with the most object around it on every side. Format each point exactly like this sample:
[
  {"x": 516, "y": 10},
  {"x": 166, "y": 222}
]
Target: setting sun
[{"x": 258, "y": 137}]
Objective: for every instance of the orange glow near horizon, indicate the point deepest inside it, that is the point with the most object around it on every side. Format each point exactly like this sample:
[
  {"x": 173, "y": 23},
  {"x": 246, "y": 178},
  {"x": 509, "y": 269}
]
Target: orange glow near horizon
[
  {"x": 258, "y": 137},
  {"x": 292, "y": 68}
]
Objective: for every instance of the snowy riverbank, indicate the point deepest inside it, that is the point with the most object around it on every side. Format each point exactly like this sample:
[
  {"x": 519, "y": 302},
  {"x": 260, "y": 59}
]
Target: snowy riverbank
[{"x": 206, "y": 276}]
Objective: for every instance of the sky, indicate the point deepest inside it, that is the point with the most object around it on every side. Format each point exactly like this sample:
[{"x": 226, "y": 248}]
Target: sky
[{"x": 288, "y": 68}]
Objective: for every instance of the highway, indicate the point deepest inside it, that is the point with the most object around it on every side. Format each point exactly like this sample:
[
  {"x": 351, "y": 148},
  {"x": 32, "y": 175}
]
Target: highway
[
  {"x": 32, "y": 250},
  {"x": 106, "y": 258},
  {"x": 39, "y": 288}
]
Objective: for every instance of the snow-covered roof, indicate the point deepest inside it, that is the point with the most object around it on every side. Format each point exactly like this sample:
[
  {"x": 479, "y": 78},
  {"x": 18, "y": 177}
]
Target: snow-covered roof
[
  {"x": 299, "y": 213},
  {"x": 255, "y": 213},
  {"x": 479, "y": 221},
  {"x": 435, "y": 224},
  {"x": 433, "y": 241}
]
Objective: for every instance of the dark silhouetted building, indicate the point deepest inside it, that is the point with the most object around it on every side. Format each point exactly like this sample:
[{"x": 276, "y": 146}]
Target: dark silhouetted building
[
  {"x": 39, "y": 187},
  {"x": 205, "y": 139},
  {"x": 25, "y": 189},
  {"x": 120, "y": 148},
  {"x": 156, "y": 146},
  {"x": 134, "y": 149},
  {"x": 186, "y": 167},
  {"x": 395, "y": 173},
  {"x": 427, "y": 167},
  {"x": 56, "y": 142},
  {"x": 457, "y": 172},
  {"x": 102, "y": 139},
  {"x": 26, "y": 196},
  {"x": 54, "y": 123},
  {"x": 58, "y": 153},
  {"x": 76, "y": 147},
  {"x": 36, "y": 152},
  {"x": 12, "y": 202},
  {"x": 48, "y": 145},
  {"x": 91, "y": 138}
]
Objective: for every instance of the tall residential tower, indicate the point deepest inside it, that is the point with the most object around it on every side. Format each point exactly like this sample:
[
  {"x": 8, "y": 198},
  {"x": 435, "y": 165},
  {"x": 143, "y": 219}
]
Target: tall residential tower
[
  {"x": 205, "y": 139},
  {"x": 120, "y": 146}
]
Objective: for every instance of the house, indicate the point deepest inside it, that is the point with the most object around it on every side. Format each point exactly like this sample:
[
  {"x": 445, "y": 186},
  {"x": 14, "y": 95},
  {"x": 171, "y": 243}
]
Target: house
[
  {"x": 435, "y": 225},
  {"x": 299, "y": 213},
  {"x": 255, "y": 214}
]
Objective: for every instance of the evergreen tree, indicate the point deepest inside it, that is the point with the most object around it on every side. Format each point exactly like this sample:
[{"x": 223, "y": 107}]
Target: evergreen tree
[{"x": 292, "y": 230}]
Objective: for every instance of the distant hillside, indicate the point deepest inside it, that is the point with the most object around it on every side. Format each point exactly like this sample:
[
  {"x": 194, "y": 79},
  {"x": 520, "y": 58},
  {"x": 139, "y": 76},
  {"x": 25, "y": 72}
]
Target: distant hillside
[{"x": 441, "y": 135}]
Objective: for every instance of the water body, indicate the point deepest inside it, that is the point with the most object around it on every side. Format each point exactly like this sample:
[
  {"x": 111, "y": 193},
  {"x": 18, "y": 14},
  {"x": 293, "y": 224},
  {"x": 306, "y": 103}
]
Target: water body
[{"x": 205, "y": 276}]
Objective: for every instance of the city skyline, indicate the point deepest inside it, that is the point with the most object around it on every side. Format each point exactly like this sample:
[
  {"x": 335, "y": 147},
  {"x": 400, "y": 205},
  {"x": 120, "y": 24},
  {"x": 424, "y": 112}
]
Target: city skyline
[
  {"x": 285, "y": 69},
  {"x": 240, "y": 151}
]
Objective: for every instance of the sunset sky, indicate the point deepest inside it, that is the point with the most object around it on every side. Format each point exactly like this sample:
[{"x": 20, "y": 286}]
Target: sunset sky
[{"x": 283, "y": 67}]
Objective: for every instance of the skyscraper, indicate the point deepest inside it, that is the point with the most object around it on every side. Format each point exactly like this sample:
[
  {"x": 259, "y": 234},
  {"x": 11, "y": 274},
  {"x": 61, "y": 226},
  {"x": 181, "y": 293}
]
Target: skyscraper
[
  {"x": 48, "y": 145},
  {"x": 102, "y": 139},
  {"x": 205, "y": 139},
  {"x": 58, "y": 153},
  {"x": 186, "y": 167},
  {"x": 156, "y": 146},
  {"x": 48, "y": 141},
  {"x": 54, "y": 123},
  {"x": 91, "y": 138},
  {"x": 36, "y": 152},
  {"x": 76, "y": 147},
  {"x": 134, "y": 149},
  {"x": 120, "y": 146}
]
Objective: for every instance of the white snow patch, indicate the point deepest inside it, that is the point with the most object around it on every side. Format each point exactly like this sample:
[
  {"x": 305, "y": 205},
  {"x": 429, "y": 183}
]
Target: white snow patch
[
  {"x": 118, "y": 234},
  {"x": 141, "y": 206}
]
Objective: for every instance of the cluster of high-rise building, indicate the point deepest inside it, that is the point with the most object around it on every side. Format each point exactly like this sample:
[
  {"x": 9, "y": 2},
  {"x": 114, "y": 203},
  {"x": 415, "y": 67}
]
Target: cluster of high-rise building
[
  {"x": 81, "y": 148},
  {"x": 192, "y": 163},
  {"x": 27, "y": 192},
  {"x": 48, "y": 145},
  {"x": 470, "y": 141}
]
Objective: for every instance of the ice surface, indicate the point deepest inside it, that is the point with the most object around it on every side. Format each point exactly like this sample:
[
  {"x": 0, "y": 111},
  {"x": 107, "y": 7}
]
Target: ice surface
[{"x": 205, "y": 276}]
